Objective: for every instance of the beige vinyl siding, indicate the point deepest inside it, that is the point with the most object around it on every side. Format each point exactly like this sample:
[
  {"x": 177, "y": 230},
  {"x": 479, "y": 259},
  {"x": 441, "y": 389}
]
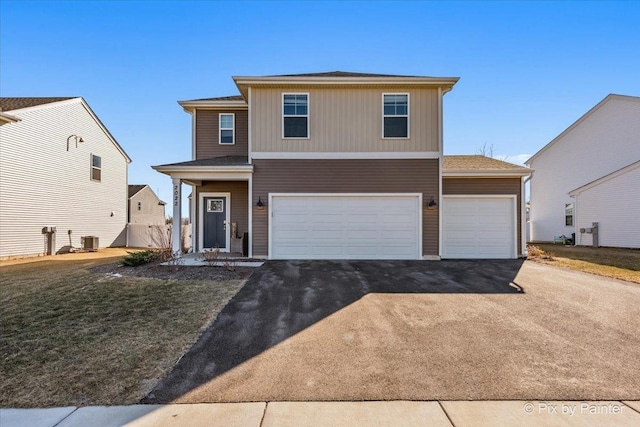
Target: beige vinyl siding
[
  {"x": 479, "y": 186},
  {"x": 345, "y": 176},
  {"x": 44, "y": 185},
  {"x": 207, "y": 137},
  {"x": 151, "y": 211},
  {"x": 343, "y": 119},
  {"x": 239, "y": 207}
]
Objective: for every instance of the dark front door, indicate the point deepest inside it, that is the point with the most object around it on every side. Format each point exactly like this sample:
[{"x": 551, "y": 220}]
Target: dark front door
[{"x": 215, "y": 224}]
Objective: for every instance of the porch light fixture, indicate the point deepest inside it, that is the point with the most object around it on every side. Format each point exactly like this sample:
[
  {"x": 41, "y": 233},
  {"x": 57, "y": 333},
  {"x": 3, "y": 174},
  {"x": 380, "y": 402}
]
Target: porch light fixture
[
  {"x": 77, "y": 138},
  {"x": 432, "y": 204},
  {"x": 260, "y": 205}
]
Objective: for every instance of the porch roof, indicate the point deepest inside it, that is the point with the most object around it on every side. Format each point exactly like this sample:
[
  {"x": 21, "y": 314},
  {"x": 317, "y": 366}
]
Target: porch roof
[{"x": 227, "y": 168}]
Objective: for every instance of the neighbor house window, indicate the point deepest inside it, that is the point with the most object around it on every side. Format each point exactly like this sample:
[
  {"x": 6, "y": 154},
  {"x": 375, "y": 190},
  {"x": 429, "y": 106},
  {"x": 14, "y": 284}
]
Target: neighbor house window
[
  {"x": 139, "y": 206},
  {"x": 395, "y": 115},
  {"x": 295, "y": 115},
  {"x": 568, "y": 214},
  {"x": 226, "y": 129},
  {"x": 96, "y": 168}
]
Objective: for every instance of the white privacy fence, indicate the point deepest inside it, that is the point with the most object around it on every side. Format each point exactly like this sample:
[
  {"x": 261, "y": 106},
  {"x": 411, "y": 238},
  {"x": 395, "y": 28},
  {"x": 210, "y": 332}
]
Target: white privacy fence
[{"x": 154, "y": 236}]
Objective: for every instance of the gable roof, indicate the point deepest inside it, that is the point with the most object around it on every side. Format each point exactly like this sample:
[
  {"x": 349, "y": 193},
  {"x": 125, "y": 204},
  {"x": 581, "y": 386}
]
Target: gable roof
[
  {"x": 607, "y": 177},
  {"x": 135, "y": 189},
  {"x": 586, "y": 115},
  {"x": 478, "y": 165},
  {"x": 10, "y": 104},
  {"x": 22, "y": 103},
  {"x": 221, "y": 98},
  {"x": 212, "y": 161}
]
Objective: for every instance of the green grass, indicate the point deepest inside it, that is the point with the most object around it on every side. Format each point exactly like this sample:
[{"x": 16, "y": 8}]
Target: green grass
[{"x": 72, "y": 337}]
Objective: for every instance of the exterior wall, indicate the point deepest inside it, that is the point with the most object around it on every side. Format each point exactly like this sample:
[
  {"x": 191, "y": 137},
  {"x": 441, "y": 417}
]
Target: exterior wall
[
  {"x": 239, "y": 207},
  {"x": 151, "y": 212},
  {"x": 478, "y": 186},
  {"x": 207, "y": 134},
  {"x": 345, "y": 176},
  {"x": 605, "y": 141},
  {"x": 615, "y": 205},
  {"x": 44, "y": 185},
  {"x": 343, "y": 119}
]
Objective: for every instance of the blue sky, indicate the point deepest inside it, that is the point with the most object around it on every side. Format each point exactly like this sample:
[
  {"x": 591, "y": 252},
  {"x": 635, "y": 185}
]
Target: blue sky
[{"x": 527, "y": 70}]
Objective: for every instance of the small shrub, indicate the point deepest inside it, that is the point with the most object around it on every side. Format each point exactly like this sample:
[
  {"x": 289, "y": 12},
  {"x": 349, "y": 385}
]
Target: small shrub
[
  {"x": 211, "y": 256},
  {"x": 535, "y": 252},
  {"x": 134, "y": 259}
]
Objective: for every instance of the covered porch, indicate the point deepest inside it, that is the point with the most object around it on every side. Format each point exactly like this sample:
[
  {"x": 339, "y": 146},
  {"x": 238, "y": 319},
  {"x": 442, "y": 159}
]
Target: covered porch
[{"x": 221, "y": 203}]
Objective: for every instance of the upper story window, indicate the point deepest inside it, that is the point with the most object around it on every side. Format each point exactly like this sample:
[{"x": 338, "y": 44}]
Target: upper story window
[
  {"x": 96, "y": 168},
  {"x": 226, "y": 132},
  {"x": 395, "y": 115},
  {"x": 568, "y": 214},
  {"x": 295, "y": 115}
]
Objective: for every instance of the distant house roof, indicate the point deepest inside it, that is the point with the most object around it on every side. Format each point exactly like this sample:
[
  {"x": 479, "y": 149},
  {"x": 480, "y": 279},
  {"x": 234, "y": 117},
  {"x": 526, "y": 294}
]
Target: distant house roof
[
  {"x": 222, "y": 98},
  {"x": 478, "y": 164},
  {"x": 135, "y": 188},
  {"x": 606, "y": 99},
  {"x": 10, "y": 104}
]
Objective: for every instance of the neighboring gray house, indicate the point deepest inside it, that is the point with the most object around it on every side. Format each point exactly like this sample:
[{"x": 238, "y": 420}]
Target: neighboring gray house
[
  {"x": 591, "y": 173},
  {"x": 59, "y": 167},
  {"x": 342, "y": 165},
  {"x": 144, "y": 206}
]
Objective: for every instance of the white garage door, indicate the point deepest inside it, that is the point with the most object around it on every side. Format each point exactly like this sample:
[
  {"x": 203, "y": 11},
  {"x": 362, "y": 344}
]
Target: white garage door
[
  {"x": 478, "y": 227},
  {"x": 344, "y": 227}
]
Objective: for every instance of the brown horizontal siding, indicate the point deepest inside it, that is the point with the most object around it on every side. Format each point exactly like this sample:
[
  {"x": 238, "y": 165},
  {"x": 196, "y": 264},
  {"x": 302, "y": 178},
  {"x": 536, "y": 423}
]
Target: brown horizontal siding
[
  {"x": 207, "y": 139},
  {"x": 239, "y": 203},
  {"x": 345, "y": 176},
  {"x": 478, "y": 186}
]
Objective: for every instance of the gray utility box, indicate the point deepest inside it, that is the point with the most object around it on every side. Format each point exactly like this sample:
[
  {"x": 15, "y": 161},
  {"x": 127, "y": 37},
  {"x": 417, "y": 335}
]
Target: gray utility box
[{"x": 90, "y": 243}]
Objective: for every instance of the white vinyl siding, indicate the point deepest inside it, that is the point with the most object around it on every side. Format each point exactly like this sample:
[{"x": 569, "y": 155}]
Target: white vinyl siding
[
  {"x": 44, "y": 185},
  {"x": 478, "y": 227},
  {"x": 615, "y": 205},
  {"x": 345, "y": 227},
  {"x": 605, "y": 141}
]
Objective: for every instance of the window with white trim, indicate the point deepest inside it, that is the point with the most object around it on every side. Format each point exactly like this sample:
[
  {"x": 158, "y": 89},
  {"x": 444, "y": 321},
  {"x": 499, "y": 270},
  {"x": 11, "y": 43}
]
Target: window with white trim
[
  {"x": 96, "y": 168},
  {"x": 395, "y": 115},
  {"x": 568, "y": 214},
  {"x": 226, "y": 128},
  {"x": 295, "y": 115}
]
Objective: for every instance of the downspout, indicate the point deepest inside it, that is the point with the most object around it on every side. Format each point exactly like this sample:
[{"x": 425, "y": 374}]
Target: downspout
[
  {"x": 523, "y": 215},
  {"x": 440, "y": 162}
]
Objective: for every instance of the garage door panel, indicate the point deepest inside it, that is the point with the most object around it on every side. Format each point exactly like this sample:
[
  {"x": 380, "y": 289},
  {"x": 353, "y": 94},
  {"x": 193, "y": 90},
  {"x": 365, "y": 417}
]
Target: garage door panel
[
  {"x": 339, "y": 227},
  {"x": 478, "y": 227}
]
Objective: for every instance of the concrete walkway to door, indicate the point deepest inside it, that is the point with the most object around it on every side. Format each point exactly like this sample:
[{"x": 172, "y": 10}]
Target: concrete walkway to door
[{"x": 415, "y": 330}]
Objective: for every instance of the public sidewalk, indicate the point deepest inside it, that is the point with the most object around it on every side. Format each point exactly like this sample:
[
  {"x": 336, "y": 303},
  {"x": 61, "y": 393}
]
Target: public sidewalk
[{"x": 336, "y": 414}]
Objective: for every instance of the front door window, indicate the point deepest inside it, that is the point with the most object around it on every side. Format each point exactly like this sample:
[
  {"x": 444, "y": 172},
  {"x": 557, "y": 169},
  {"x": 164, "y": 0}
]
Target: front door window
[{"x": 215, "y": 224}]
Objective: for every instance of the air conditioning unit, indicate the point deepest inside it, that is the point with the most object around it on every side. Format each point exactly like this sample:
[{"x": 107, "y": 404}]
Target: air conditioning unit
[{"x": 90, "y": 243}]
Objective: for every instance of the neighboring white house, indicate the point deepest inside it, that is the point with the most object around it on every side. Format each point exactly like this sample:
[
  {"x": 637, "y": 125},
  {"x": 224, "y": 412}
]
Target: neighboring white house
[
  {"x": 145, "y": 207},
  {"x": 59, "y": 167},
  {"x": 589, "y": 173}
]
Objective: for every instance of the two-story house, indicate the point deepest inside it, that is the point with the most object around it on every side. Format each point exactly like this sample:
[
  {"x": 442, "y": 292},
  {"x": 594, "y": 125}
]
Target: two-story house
[
  {"x": 63, "y": 176},
  {"x": 343, "y": 165}
]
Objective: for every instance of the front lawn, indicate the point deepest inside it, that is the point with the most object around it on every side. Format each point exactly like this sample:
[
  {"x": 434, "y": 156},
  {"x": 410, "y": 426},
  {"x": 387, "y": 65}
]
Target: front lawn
[
  {"x": 74, "y": 334},
  {"x": 618, "y": 263}
]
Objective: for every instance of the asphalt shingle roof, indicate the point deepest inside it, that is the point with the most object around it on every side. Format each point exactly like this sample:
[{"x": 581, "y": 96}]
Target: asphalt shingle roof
[
  {"x": 134, "y": 188},
  {"x": 215, "y": 161},
  {"x": 341, "y": 74},
  {"x": 10, "y": 104},
  {"x": 477, "y": 162}
]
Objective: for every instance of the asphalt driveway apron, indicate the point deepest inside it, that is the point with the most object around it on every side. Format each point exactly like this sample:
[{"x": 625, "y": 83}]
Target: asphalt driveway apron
[{"x": 406, "y": 330}]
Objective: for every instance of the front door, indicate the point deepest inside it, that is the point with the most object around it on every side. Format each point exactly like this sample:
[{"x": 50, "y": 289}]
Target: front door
[{"x": 215, "y": 224}]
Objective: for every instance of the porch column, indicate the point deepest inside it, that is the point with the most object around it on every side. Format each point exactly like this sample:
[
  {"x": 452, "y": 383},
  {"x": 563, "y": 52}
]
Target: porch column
[{"x": 177, "y": 217}]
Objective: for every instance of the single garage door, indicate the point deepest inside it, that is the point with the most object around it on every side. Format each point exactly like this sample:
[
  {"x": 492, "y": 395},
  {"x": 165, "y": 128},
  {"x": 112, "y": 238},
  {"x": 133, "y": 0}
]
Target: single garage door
[
  {"x": 478, "y": 227},
  {"x": 344, "y": 227}
]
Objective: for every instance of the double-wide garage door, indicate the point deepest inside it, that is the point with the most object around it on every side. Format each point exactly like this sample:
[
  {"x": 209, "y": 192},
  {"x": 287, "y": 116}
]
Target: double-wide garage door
[
  {"x": 345, "y": 227},
  {"x": 478, "y": 227}
]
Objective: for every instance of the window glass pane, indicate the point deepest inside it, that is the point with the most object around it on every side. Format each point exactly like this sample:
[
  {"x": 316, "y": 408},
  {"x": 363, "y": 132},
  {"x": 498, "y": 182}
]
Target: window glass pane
[
  {"x": 289, "y": 109},
  {"x": 295, "y": 105},
  {"x": 226, "y": 136},
  {"x": 301, "y": 110},
  {"x": 96, "y": 161},
  {"x": 389, "y": 110},
  {"x": 226, "y": 121},
  {"x": 96, "y": 174},
  {"x": 395, "y": 105},
  {"x": 395, "y": 127},
  {"x": 295, "y": 127}
]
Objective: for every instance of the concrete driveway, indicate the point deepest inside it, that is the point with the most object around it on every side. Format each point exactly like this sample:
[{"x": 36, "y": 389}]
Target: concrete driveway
[{"x": 416, "y": 330}]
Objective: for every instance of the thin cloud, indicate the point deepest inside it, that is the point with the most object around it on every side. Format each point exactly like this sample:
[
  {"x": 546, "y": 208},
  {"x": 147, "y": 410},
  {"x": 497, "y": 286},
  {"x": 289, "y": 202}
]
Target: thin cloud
[{"x": 516, "y": 159}]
